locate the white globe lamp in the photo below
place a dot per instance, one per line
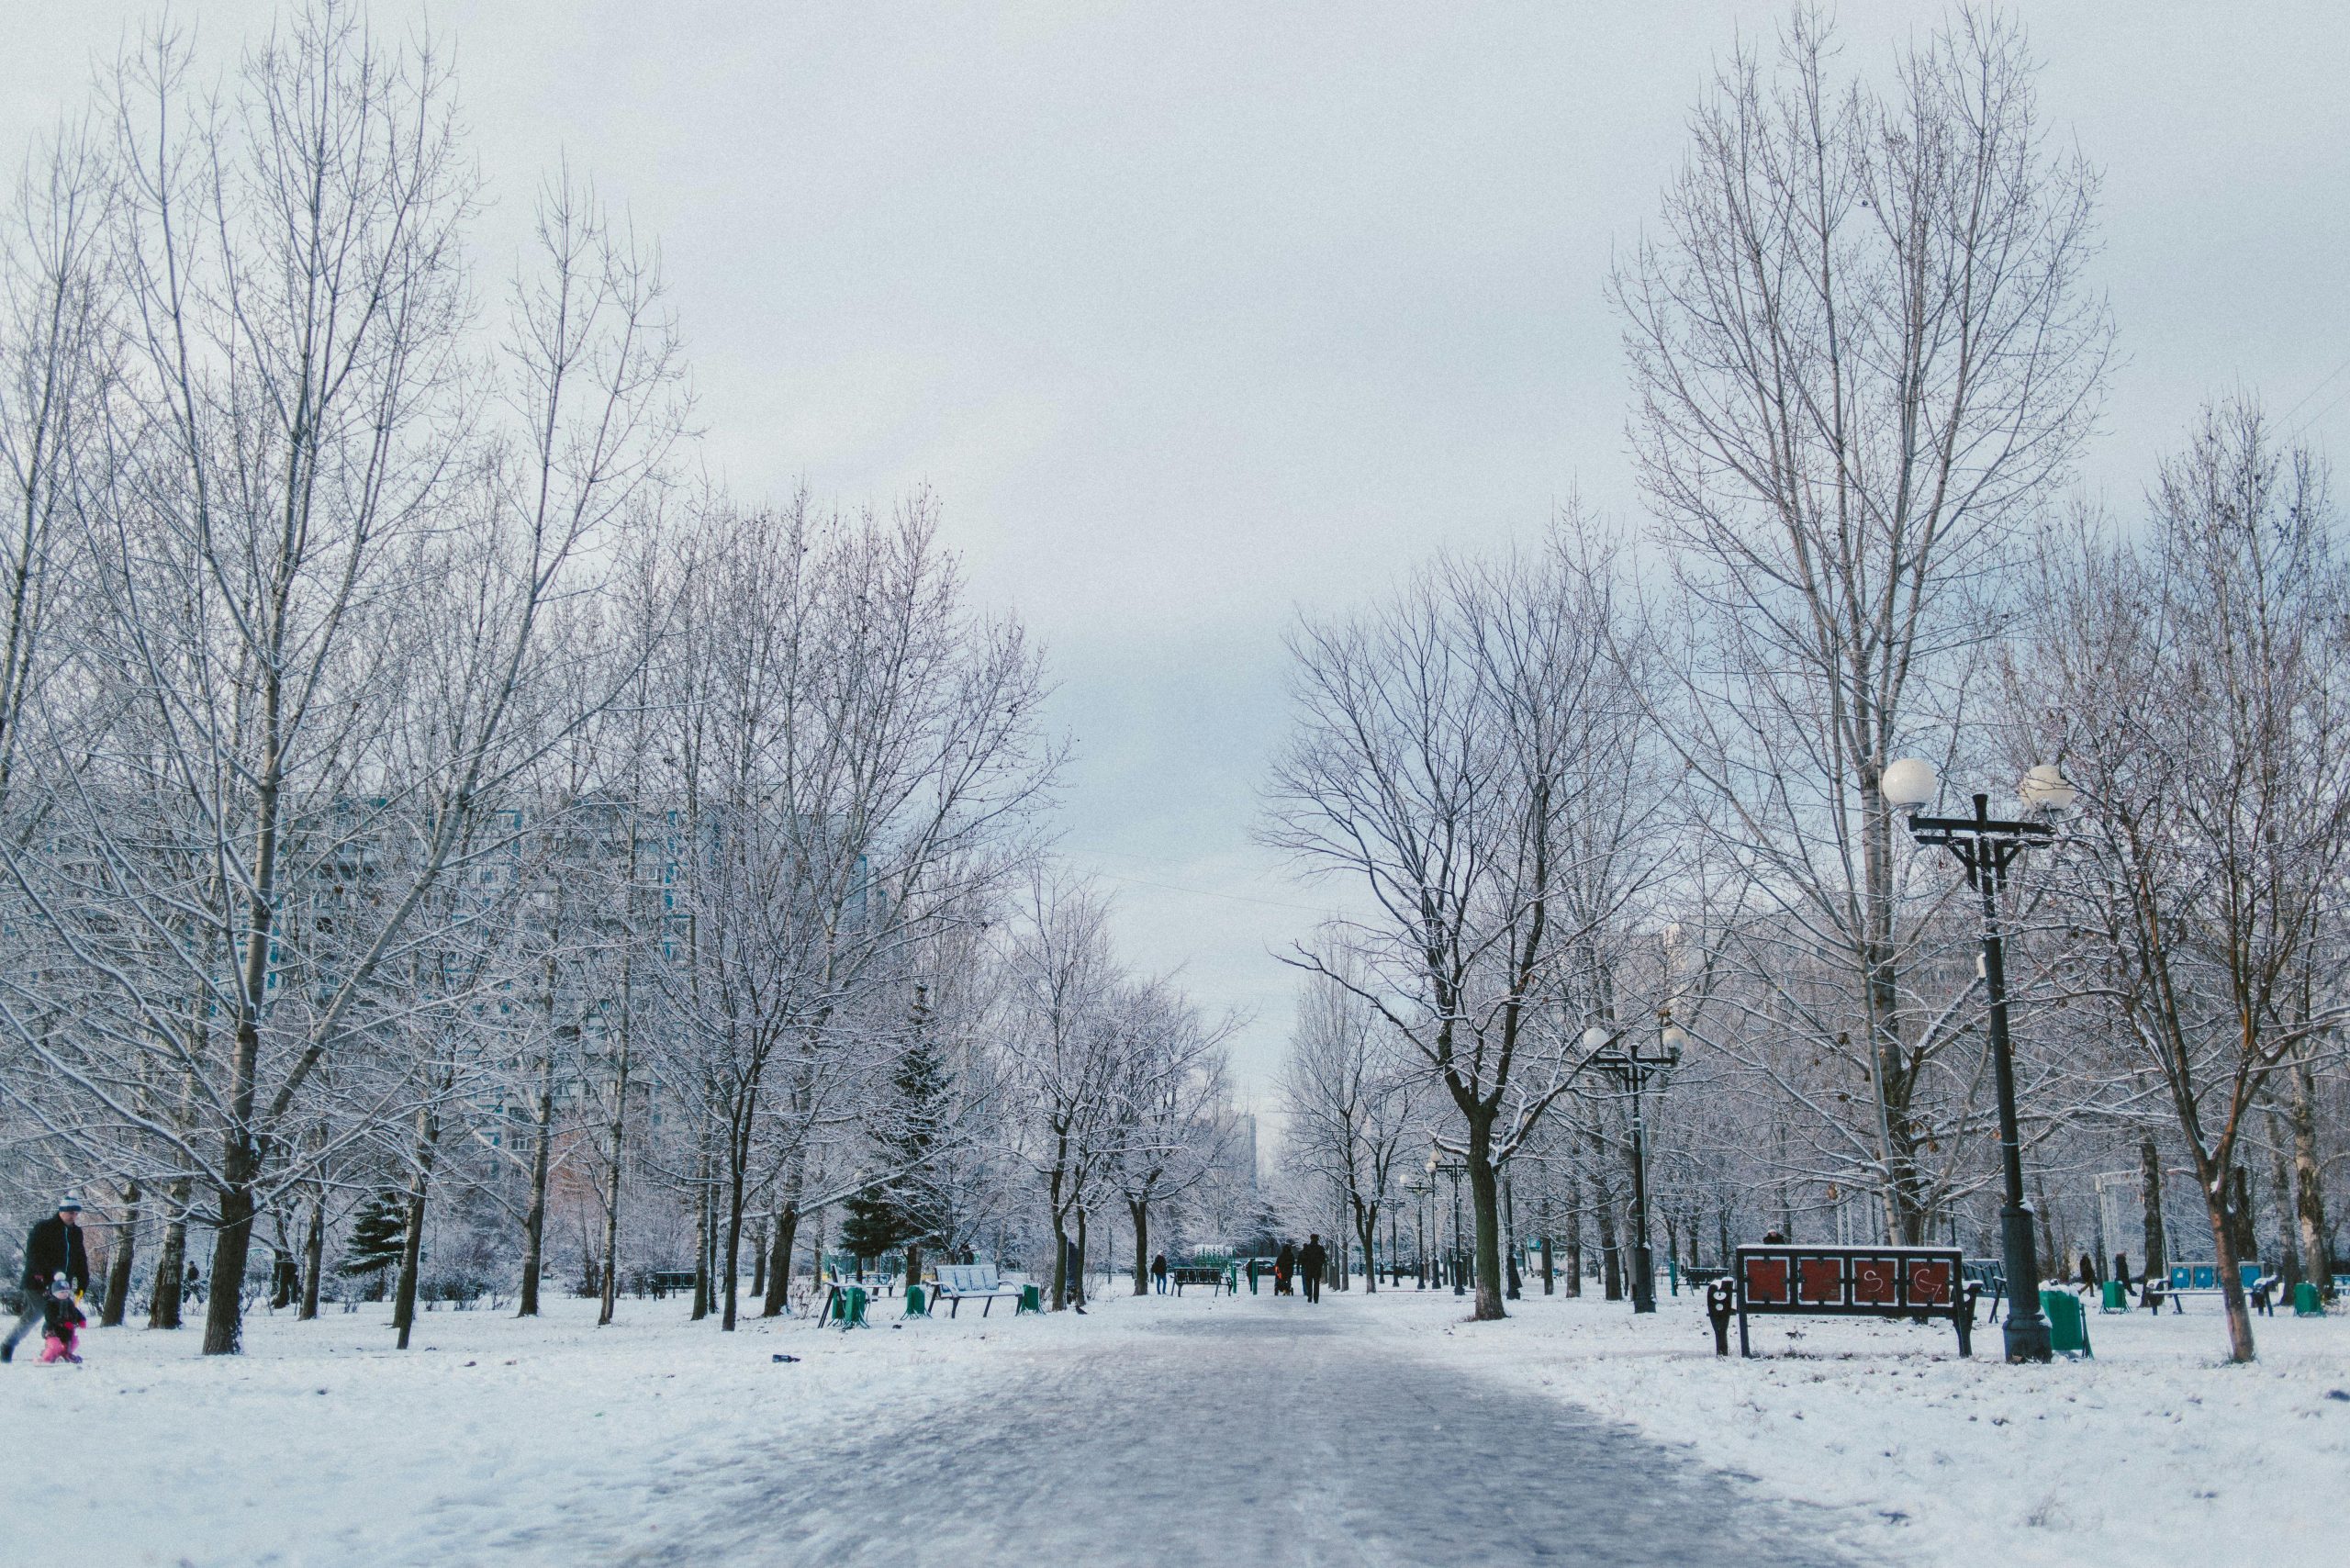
(1907, 782)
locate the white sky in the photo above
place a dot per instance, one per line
(1196, 314)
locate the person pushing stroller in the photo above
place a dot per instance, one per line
(53, 1255)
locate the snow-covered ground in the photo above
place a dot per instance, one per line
(505, 1441)
(2152, 1450)
(323, 1445)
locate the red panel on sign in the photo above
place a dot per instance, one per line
(1929, 1284)
(1766, 1279)
(1822, 1279)
(1876, 1281)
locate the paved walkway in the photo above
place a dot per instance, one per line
(1267, 1437)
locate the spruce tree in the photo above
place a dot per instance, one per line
(905, 1208)
(377, 1236)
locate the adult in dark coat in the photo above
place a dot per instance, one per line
(1159, 1273)
(1311, 1261)
(1284, 1270)
(52, 1251)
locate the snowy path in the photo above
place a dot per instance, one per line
(1267, 1433)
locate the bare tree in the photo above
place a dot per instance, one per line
(1471, 756)
(2196, 683)
(1351, 1095)
(1864, 356)
(1069, 1047)
(325, 613)
(857, 744)
(1171, 1133)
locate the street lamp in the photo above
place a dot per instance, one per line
(1987, 847)
(1440, 1166)
(1633, 1069)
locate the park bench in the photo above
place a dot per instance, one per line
(1696, 1276)
(2203, 1278)
(1842, 1282)
(957, 1282)
(1198, 1275)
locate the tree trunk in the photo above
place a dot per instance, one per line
(1889, 1073)
(2309, 1188)
(2150, 1182)
(1367, 1231)
(534, 1219)
(1486, 1201)
(285, 1280)
(779, 1239)
(1611, 1266)
(2282, 1174)
(2051, 1254)
(2223, 1241)
(241, 1153)
(1077, 1285)
(1141, 1211)
(314, 1253)
(2246, 1239)
(704, 1214)
(171, 1261)
(1509, 1235)
(427, 1137)
(1550, 1273)
(1574, 1233)
(618, 1128)
(759, 1259)
(738, 1155)
(232, 1243)
(126, 1241)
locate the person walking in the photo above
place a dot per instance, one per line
(1159, 1273)
(1311, 1261)
(1285, 1270)
(52, 1251)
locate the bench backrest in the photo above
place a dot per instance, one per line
(2205, 1276)
(1774, 1277)
(966, 1277)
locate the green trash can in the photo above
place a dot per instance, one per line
(2116, 1297)
(2069, 1325)
(1032, 1299)
(917, 1302)
(849, 1307)
(2307, 1303)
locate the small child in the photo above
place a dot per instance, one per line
(59, 1318)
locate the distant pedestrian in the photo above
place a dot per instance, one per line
(2121, 1275)
(60, 1321)
(1159, 1273)
(1310, 1263)
(52, 1252)
(193, 1289)
(1252, 1275)
(1774, 1238)
(2089, 1281)
(1284, 1270)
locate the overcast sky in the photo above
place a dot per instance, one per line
(1195, 314)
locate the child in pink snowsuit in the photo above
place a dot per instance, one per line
(60, 1319)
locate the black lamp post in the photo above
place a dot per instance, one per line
(1633, 1068)
(1987, 847)
(1440, 1166)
